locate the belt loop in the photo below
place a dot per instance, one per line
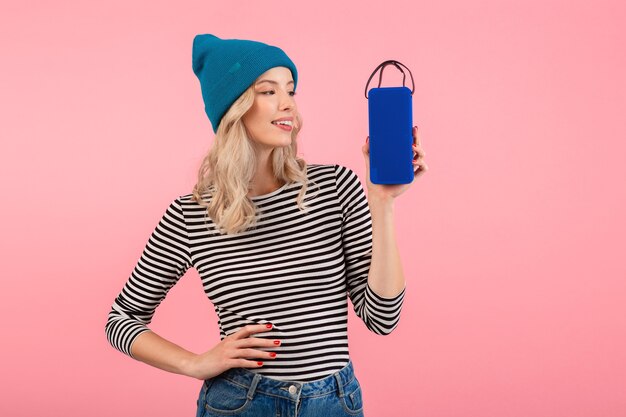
(339, 384)
(255, 381)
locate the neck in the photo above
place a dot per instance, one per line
(264, 181)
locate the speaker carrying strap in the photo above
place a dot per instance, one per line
(382, 68)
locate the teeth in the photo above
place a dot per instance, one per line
(283, 122)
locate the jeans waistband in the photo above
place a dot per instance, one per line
(290, 389)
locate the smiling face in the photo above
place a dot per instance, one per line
(273, 99)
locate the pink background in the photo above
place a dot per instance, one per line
(512, 243)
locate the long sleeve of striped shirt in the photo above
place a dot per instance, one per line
(164, 260)
(380, 314)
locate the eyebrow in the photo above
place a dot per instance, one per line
(273, 82)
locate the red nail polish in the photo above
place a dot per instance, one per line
(367, 139)
(259, 363)
(268, 325)
(277, 342)
(273, 355)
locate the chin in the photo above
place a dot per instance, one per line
(283, 143)
(277, 143)
(284, 140)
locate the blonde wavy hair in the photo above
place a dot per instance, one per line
(229, 167)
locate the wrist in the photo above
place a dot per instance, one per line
(188, 365)
(382, 202)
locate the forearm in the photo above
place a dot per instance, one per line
(154, 350)
(385, 275)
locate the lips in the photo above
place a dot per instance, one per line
(282, 119)
(283, 127)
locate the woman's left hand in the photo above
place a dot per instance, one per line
(391, 191)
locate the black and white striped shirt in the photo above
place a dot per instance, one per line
(294, 270)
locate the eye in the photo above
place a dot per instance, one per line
(293, 93)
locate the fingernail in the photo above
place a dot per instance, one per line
(367, 139)
(277, 342)
(259, 363)
(268, 325)
(273, 355)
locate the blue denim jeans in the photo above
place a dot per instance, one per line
(240, 392)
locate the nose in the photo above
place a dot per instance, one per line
(287, 101)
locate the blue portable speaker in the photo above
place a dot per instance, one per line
(390, 130)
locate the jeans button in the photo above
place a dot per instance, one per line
(292, 389)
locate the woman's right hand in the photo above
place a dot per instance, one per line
(234, 351)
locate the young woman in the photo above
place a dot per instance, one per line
(279, 245)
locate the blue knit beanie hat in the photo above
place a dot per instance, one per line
(227, 67)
